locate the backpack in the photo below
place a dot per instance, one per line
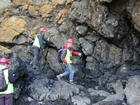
(3, 84)
(59, 55)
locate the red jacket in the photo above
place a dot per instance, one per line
(65, 52)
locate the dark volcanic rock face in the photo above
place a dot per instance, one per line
(106, 32)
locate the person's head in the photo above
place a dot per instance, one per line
(42, 30)
(4, 62)
(70, 42)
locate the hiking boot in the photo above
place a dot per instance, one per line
(58, 77)
(72, 83)
(35, 67)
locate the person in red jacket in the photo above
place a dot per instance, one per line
(66, 58)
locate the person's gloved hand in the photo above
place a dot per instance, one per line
(79, 54)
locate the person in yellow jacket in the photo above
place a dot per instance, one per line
(38, 47)
(6, 96)
(66, 58)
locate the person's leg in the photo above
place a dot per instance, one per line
(39, 55)
(71, 75)
(1, 99)
(36, 55)
(65, 73)
(31, 63)
(9, 99)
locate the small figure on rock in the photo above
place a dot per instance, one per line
(38, 47)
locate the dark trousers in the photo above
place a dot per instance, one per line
(6, 99)
(37, 55)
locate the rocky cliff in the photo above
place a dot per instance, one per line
(106, 32)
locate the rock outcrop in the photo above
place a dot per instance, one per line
(106, 32)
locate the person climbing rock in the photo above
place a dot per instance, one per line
(66, 58)
(38, 47)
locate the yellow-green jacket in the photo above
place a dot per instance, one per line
(10, 87)
(67, 54)
(39, 41)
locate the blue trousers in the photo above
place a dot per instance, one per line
(69, 71)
